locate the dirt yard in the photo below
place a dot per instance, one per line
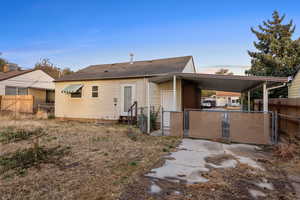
(49, 159)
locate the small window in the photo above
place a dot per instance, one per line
(94, 91)
(10, 90)
(22, 91)
(15, 91)
(76, 94)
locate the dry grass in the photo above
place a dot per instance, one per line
(286, 151)
(101, 162)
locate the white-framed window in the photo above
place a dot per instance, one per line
(77, 94)
(95, 91)
(9, 90)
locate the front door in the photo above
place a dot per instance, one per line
(127, 98)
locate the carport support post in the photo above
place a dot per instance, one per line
(174, 93)
(148, 108)
(242, 101)
(265, 97)
(249, 105)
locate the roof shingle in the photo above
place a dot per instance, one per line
(11, 74)
(128, 70)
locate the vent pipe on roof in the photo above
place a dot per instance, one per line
(131, 58)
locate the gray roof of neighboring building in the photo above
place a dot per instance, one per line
(128, 70)
(11, 74)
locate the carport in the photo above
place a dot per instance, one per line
(230, 83)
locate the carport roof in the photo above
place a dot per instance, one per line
(230, 83)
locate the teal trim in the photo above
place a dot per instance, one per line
(72, 88)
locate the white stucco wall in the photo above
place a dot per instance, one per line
(34, 79)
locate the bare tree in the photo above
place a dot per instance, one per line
(51, 69)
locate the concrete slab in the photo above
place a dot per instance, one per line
(187, 163)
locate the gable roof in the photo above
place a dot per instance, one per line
(127, 70)
(11, 74)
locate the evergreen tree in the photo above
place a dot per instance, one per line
(277, 53)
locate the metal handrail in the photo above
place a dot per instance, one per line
(130, 110)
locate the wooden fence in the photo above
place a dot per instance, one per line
(288, 114)
(17, 103)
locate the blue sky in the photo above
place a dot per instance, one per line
(75, 33)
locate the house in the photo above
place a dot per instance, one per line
(168, 86)
(294, 86)
(28, 82)
(227, 98)
(107, 91)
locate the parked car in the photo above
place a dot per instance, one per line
(208, 104)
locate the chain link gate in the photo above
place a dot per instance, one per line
(225, 126)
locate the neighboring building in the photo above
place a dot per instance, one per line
(294, 87)
(227, 99)
(107, 91)
(28, 82)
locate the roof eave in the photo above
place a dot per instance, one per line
(108, 78)
(25, 72)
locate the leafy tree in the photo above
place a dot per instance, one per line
(2, 63)
(51, 69)
(223, 71)
(277, 53)
(67, 71)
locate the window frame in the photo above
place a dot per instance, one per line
(17, 90)
(95, 91)
(77, 95)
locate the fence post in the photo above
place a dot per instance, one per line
(142, 123)
(276, 126)
(162, 121)
(186, 122)
(273, 127)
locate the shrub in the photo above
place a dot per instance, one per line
(285, 151)
(132, 134)
(133, 163)
(51, 116)
(13, 134)
(21, 160)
